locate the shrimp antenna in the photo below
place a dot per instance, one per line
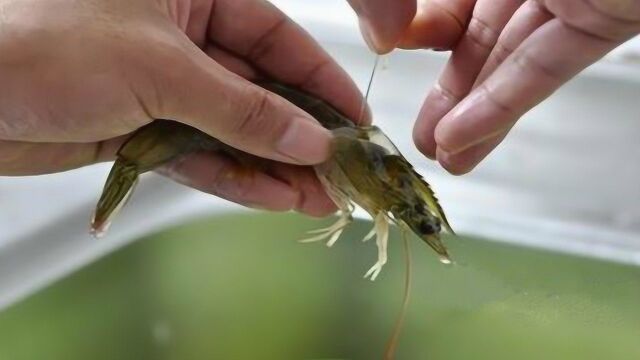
(392, 344)
(366, 95)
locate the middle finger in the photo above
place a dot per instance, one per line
(468, 57)
(524, 22)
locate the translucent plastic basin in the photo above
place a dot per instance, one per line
(241, 287)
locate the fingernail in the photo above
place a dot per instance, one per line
(465, 105)
(305, 142)
(452, 133)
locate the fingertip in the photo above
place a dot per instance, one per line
(454, 163)
(424, 141)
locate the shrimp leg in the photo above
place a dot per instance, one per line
(334, 231)
(381, 227)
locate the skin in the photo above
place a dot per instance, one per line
(78, 76)
(507, 56)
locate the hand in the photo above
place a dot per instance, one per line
(507, 56)
(79, 75)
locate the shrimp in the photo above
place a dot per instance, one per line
(365, 169)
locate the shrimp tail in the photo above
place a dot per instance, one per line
(117, 190)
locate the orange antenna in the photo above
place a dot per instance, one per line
(392, 345)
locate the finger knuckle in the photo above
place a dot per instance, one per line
(153, 85)
(501, 52)
(481, 33)
(265, 44)
(499, 104)
(443, 90)
(314, 77)
(528, 64)
(258, 116)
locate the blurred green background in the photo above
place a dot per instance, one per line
(241, 287)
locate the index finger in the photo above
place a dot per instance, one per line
(260, 33)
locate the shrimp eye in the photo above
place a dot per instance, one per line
(428, 228)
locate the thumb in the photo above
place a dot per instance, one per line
(203, 94)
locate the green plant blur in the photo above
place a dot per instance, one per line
(240, 287)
